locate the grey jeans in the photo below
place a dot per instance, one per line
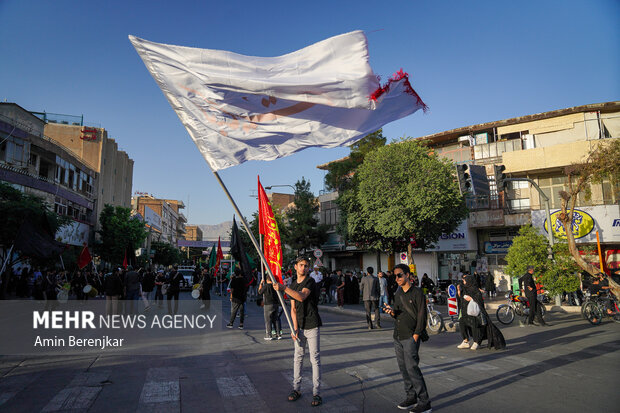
(310, 337)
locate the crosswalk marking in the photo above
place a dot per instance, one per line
(80, 393)
(11, 385)
(161, 390)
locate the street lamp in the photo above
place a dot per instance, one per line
(274, 186)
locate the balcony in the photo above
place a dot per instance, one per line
(496, 149)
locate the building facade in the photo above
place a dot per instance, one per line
(172, 219)
(538, 147)
(193, 233)
(101, 153)
(41, 166)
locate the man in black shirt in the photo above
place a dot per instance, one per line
(409, 312)
(238, 295)
(527, 284)
(174, 287)
(306, 323)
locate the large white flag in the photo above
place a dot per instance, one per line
(238, 108)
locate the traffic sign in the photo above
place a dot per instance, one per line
(318, 253)
(452, 307)
(451, 291)
(403, 258)
(318, 263)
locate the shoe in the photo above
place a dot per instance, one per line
(370, 327)
(408, 403)
(464, 344)
(279, 337)
(229, 325)
(268, 338)
(474, 346)
(379, 327)
(240, 327)
(422, 408)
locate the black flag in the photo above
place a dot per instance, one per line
(238, 252)
(35, 239)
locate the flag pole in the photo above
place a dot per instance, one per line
(260, 252)
(8, 257)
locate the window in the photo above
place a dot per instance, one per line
(611, 194)
(519, 204)
(552, 187)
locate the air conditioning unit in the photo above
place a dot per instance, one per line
(466, 139)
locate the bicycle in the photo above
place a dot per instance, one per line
(434, 318)
(594, 309)
(517, 306)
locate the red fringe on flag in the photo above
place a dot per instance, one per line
(395, 78)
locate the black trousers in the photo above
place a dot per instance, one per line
(408, 360)
(233, 312)
(535, 310)
(174, 294)
(370, 306)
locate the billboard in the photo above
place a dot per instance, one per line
(152, 219)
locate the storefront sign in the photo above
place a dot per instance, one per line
(497, 247)
(463, 239)
(152, 219)
(586, 221)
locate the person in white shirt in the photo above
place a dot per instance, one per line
(316, 275)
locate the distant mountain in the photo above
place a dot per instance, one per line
(212, 232)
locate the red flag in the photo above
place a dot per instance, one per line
(220, 255)
(125, 260)
(84, 258)
(268, 227)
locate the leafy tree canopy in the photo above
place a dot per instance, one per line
(400, 190)
(165, 254)
(304, 231)
(118, 232)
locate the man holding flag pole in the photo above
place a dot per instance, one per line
(238, 108)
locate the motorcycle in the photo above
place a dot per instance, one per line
(517, 305)
(434, 318)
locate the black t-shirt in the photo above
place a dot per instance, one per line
(307, 310)
(237, 285)
(412, 320)
(174, 279)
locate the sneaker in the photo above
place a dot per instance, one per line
(268, 338)
(422, 408)
(240, 327)
(474, 346)
(229, 325)
(279, 337)
(464, 344)
(408, 403)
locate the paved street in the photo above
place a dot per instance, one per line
(568, 367)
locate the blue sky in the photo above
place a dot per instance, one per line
(471, 62)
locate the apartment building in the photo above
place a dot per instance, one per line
(172, 219)
(93, 146)
(41, 166)
(538, 147)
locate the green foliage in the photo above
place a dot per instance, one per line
(165, 254)
(304, 231)
(253, 223)
(401, 190)
(528, 248)
(118, 232)
(340, 172)
(17, 207)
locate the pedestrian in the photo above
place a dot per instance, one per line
(270, 309)
(333, 285)
(370, 295)
(306, 328)
(205, 290)
(148, 284)
(317, 276)
(174, 287)
(132, 288)
(409, 312)
(383, 290)
(113, 287)
(392, 286)
(489, 285)
(471, 323)
(160, 280)
(50, 286)
(238, 295)
(427, 285)
(527, 284)
(340, 289)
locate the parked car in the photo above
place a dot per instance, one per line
(187, 271)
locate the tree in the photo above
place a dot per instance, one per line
(165, 254)
(119, 232)
(303, 225)
(529, 247)
(253, 223)
(600, 163)
(403, 190)
(15, 208)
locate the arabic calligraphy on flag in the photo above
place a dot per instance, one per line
(268, 227)
(238, 108)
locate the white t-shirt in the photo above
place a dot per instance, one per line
(317, 276)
